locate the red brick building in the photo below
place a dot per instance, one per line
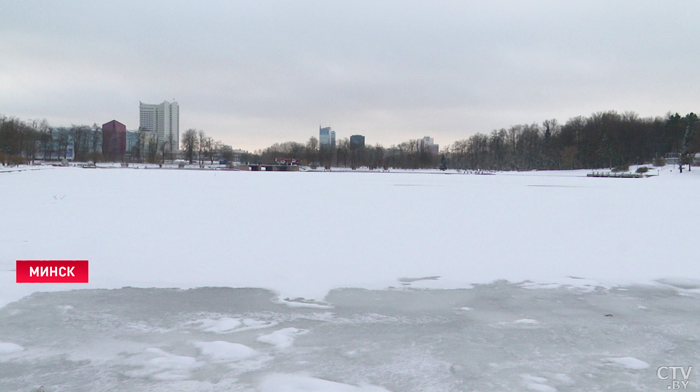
(113, 140)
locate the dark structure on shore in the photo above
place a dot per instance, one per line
(113, 140)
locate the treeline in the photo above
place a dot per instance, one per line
(20, 141)
(25, 141)
(196, 145)
(605, 139)
(409, 155)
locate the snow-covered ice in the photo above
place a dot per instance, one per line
(628, 363)
(225, 351)
(303, 383)
(222, 325)
(233, 281)
(284, 338)
(535, 383)
(526, 321)
(9, 348)
(163, 366)
(408, 340)
(228, 325)
(304, 234)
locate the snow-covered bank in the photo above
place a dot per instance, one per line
(303, 234)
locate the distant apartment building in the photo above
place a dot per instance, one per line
(162, 120)
(133, 143)
(59, 146)
(357, 141)
(70, 143)
(113, 140)
(428, 143)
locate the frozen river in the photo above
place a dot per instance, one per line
(494, 337)
(412, 281)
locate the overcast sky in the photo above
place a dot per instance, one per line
(251, 73)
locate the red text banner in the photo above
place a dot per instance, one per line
(52, 271)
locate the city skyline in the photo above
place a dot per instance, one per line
(252, 74)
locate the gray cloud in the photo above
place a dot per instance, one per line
(253, 73)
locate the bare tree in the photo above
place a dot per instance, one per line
(202, 146)
(152, 148)
(311, 150)
(63, 140)
(170, 145)
(80, 134)
(190, 143)
(690, 120)
(96, 138)
(227, 153)
(215, 149)
(46, 141)
(209, 148)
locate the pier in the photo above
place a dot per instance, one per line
(615, 175)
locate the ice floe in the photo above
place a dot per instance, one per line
(627, 362)
(304, 383)
(10, 348)
(283, 338)
(225, 351)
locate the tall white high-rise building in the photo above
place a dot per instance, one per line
(164, 120)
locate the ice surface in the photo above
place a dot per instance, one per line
(400, 340)
(232, 281)
(228, 325)
(222, 325)
(526, 321)
(283, 338)
(186, 229)
(163, 366)
(628, 363)
(301, 383)
(539, 384)
(683, 283)
(9, 348)
(225, 351)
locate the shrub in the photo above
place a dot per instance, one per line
(95, 157)
(621, 168)
(18, 160)
(659, 161)
(3, 158)
(642, 169)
